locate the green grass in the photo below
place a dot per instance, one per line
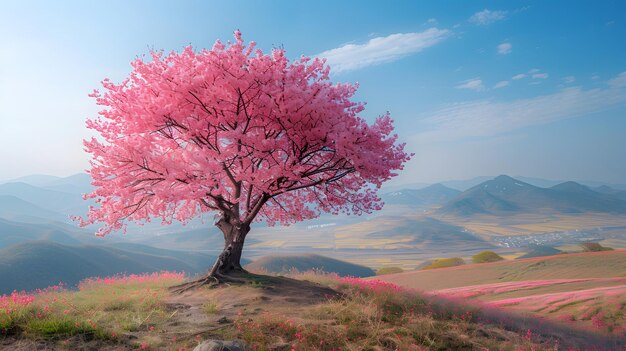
(58, 326)
(210, 307)
(486, 256)
(98, 310)
(445, 263)
(389, 270)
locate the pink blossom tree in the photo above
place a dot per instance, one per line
(249, 135)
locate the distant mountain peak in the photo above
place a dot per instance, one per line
(505, 179)
(571, 186)
(438, 186)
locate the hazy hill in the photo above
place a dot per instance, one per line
(423, 233)
(207, 236)
(199, 260)
(506, 195)
(18, 232)
(433, 195)
(605, 189)
(79, 183)
(428, 233)
(57, 201)
(302, 263)
(39, 264)
(34, 179)
(15, 209)
(541, 251)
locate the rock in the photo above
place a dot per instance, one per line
(224, 320)
(219, 345)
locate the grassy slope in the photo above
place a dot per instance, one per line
(306, 262)
(38, 264)
(571, 266)
(268, 314)
(586, 290)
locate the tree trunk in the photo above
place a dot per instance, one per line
(229, 260)
(228, 263)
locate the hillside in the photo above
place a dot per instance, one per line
(307, 262)
(605, 189)
(39, 264)
(433, 195)
(79, 183)
(606, 264)
(18, 232)
(504, 195)
(424, 233)
(270, 313)
(52, 200)
(15, 209)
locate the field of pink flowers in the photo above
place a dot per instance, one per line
(597, 304)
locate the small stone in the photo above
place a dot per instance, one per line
(220, 345)
(223, 320)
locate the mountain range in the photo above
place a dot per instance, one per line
(38, 240)
(506, 195)
(429, 196)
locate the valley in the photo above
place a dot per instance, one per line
(415, 226)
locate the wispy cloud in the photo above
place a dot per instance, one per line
(569, 79)
(475, 84)
(382, 49)
(431, 22)
(490, 118)
(519, 76)
(501, 84)
(540, 76)
(485, 17)
(619, 81)
(505, 48)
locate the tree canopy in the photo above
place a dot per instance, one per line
(238, 131)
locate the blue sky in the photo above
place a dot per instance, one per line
(476, 88)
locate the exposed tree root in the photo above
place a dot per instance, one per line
(210, 281)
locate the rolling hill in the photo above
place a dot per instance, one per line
(12, 233)
(306, 262)
(433, 195)
(79, 183)
(605, 189)
(505, 195)
(424, 233)
(607, 264)
(15, 209)
(39, 264)
(52, 200)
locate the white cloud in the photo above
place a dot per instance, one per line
(490, 118)
(501, 84)
(540, 76)
(619, 81)
(381, 49)
(431, 22)
(475, 84)
(569, 79)
(519, 76)
(485, 17)
(505, 48)
(534, 70)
